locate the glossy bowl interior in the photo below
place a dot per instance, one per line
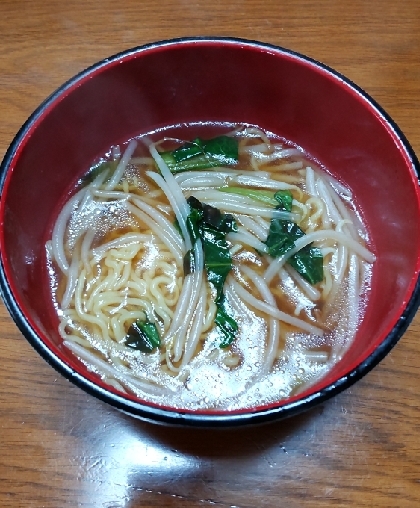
(193, 80)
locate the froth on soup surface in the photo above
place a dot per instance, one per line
(220, 272)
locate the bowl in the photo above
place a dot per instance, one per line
(218, 80)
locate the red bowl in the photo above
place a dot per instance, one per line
(229, 80)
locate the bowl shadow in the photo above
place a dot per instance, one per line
(245, 441)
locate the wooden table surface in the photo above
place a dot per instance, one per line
(60, 447)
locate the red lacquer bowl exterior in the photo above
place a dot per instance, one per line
(222, 80)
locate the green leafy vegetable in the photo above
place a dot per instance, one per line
(281, 238)
(193, 220)
(188, 150)
(224, 148)
(189, 262)
(226, 324)
(212, 227)
(217, 258)
(143, 336)
(284, 199)
(201, 154)
(309, 262)
(223, 222)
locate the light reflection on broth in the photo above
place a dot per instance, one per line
(116, 258)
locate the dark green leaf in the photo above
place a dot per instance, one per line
(220, 221)
(201, 154)
(143, 336)
(223, 148)
(226, 324)
(212, 227)
(193, 221)
(189, 263)
(229, 224)
(309, 262)
(284, 199)
(212, 216)
(281, 237)
(217, 258)
(188, 150)
(195, 203)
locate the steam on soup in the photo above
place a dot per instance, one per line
(223, 272)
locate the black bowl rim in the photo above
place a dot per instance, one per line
(154, 413)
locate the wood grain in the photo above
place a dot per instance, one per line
(60, 447)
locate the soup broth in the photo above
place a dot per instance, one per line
(222, 272)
